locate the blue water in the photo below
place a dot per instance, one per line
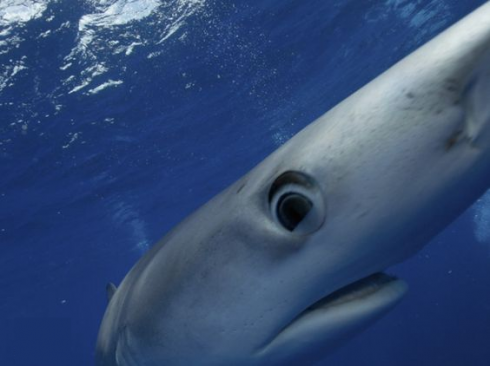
(119, 118)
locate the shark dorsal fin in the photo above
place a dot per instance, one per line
(111, 290)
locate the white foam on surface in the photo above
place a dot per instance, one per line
(113, 28)
(131, 47)
(119, 13)
(78, 87)
(14, 15)
(105, 86)
(20, 11)
(10, 71)
(73, 137)
(5, 32)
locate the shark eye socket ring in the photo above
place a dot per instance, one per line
(296, 203)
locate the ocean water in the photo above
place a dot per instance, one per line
(118, 118)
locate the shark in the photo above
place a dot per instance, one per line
(288, 263)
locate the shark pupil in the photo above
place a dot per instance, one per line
(292, 208)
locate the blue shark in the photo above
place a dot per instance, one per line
(288, 262)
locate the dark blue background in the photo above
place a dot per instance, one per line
(89, 181)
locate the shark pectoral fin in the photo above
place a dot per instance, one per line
(334, 321)
(110, 290)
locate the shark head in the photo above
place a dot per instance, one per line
(287, 263)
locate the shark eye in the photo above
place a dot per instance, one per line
(296, 203)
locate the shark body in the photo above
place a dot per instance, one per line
(287, 263)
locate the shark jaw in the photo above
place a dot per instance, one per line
(335, 318)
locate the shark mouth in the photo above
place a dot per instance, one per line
(358, 290)
(339, 315)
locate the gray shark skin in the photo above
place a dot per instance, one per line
(285, 264)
